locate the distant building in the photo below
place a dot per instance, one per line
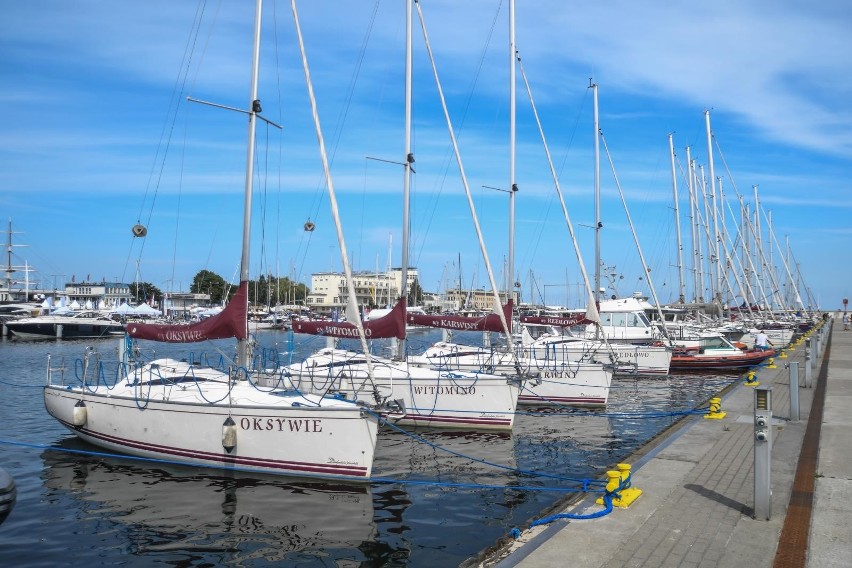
(178, 303)
(97, 295)
(481, 300)
(329, 290)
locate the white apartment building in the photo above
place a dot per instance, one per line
(329, 289)
(475, 300)
(97, 295)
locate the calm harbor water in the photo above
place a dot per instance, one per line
(433, 508)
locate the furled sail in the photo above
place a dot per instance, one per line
(391, 325)
(591, 315)
(558, 321)
(491, 322)
(230, 322)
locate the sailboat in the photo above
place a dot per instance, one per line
(617, 326)
(420, 396)
(548, 380)
(182, 412)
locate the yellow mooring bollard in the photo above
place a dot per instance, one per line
(751, 379)
(715, 412)
(613, 481)
(783, 354)
(771, 363)
(621, 478)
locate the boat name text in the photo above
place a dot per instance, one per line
(444, 390)
(307, 425)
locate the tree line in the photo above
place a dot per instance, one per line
(265, 290)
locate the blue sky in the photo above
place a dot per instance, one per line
(96, 135)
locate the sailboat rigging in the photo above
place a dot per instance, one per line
(427, 397)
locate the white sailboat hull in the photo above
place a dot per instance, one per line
(546, 382)
(628, 358)
(183, 422)
(440, 399)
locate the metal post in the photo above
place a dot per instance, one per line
(809, 366)
(794, 391)
(762, 453)
(818, 353)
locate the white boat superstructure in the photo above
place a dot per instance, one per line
(545, 381)
(424, 396)
(172, 410)
(624, 320)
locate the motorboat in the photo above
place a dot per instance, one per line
(76, 325)
(716, 352)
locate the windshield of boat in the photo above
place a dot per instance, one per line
(625, 319)
(717, 342)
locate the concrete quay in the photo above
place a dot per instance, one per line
(698, 500)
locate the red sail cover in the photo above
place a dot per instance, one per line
(576, 319)
(491, 322)
(230, 322)
(391, 325)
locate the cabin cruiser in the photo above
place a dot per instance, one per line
(713, 352)
(76, 325)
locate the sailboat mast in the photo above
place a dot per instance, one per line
(513, 187)
(390, 269)
(692, 225)
(681, 285)
(9, 270)
(409, 159)
(755, 230)
(746, 250)
(594, 88)
(701, 183)
(254, 108)
(716, 258)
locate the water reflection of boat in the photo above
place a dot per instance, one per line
(8, 494)
(448, 455)
(175, 510)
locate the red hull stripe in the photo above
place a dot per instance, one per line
(562, 399)
(458, 420)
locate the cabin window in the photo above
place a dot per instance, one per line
(714, 343)
(618, 319)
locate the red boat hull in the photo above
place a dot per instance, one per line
(682, 362)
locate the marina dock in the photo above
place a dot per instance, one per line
(697, 507)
